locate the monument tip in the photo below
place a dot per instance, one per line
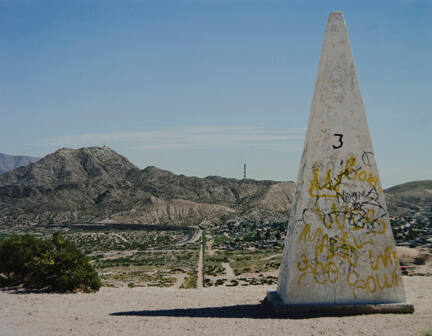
(336, 16)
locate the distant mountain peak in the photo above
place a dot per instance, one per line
(10, 162)
(67, 165)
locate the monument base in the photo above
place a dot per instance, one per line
(277, 306)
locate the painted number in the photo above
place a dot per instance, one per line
(339, 145)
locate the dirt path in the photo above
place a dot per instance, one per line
(180, 279)
(121, 237)
(272, 256)
(229, 271)
(209, 245)
(200, 279)
(114, 254)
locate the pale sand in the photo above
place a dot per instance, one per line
(208, 311)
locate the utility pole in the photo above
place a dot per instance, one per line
(244, 171)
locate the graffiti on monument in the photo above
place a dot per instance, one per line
(349, 220)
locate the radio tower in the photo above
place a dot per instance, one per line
(244, 171)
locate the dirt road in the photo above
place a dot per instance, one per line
(200, 278)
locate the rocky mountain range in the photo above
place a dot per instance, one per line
(96, 184)
(10, 162)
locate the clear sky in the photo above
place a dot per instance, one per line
(199, 87)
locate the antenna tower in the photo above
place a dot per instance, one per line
(244, 171)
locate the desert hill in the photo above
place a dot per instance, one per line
(411, 197)
(96, 184)
(10, 162)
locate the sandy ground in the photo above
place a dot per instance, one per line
(208, 311)
(418, 260)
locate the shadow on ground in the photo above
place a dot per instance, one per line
(257, 311)
(254, 311)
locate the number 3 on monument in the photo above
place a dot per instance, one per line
(340, 144)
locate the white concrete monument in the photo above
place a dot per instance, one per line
(339, 251)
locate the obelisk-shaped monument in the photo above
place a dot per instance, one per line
(339, 250)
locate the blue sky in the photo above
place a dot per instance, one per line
(200, 86)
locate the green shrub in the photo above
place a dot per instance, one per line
(55, 264)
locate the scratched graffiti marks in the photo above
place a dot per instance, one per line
(339, 227)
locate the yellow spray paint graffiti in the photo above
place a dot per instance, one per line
(379, 278)
(322, 273)
(389, 256)
(372, 282)
(326, 248)
(331, 186)
(347, 227)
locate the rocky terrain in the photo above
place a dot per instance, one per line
(96, 184)
(10, 162)
(410, 198)
(410, 208)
